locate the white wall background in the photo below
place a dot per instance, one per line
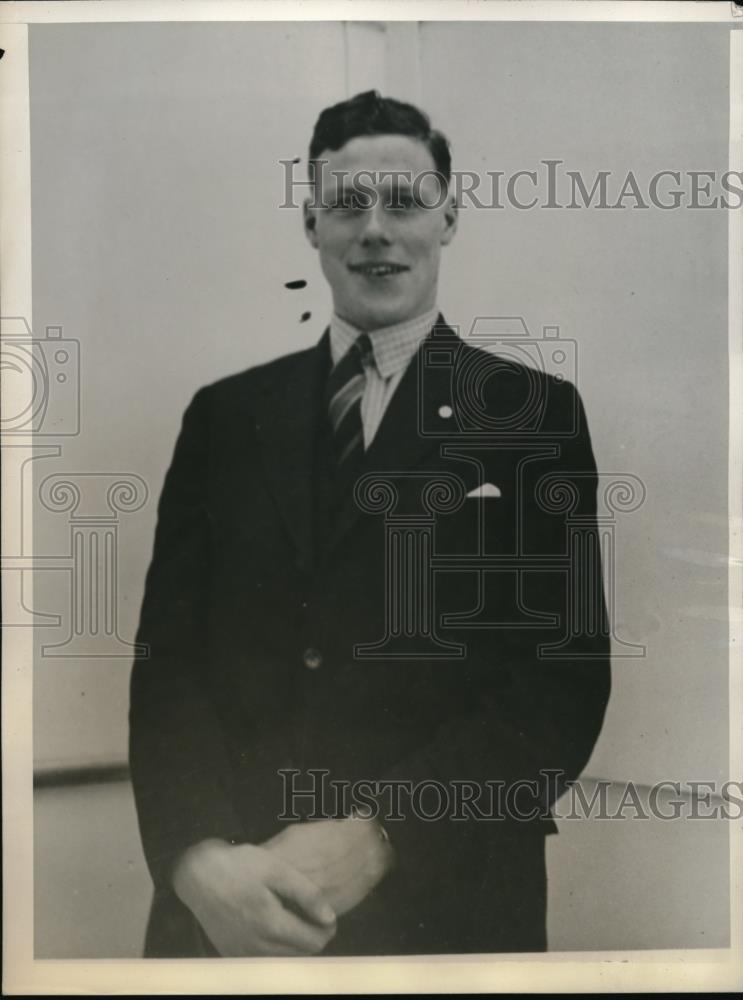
(157, 244)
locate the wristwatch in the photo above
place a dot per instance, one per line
(366, 812)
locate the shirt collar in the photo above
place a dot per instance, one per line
(393, 346)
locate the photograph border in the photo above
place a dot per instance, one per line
(651, 971)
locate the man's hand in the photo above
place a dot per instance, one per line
(345, 858)
(249, 901)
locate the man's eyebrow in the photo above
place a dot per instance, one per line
(344, 190)
(362, 187)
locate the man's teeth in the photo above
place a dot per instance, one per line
(379, 270)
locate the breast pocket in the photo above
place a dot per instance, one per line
(483, 525)
(474, 548)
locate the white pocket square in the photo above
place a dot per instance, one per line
(485, 490)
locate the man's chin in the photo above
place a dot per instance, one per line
(374, 319)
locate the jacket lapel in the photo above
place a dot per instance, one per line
(416, 421)
(287, 412)
(420, 418)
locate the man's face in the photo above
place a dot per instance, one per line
(381, 255)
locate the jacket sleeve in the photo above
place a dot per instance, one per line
(178, 759)
(534, 713)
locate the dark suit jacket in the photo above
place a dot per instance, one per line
(259, 571)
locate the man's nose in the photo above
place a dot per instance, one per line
(375, 227)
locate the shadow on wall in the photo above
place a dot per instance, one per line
(614, 885)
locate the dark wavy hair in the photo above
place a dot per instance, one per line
(371, 114)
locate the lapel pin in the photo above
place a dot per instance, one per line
(446, 411)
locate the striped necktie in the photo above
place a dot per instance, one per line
(345, 388)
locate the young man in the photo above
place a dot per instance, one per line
(358, 576)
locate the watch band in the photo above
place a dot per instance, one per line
(366, 812)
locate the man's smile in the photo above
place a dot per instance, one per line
(379, 269)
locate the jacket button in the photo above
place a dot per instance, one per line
(312, 659)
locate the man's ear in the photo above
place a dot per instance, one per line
(310, 222)
(451, 217)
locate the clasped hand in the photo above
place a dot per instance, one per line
(282, 897)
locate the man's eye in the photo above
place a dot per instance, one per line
(342, 208)
(402, 203)
(350, 204)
